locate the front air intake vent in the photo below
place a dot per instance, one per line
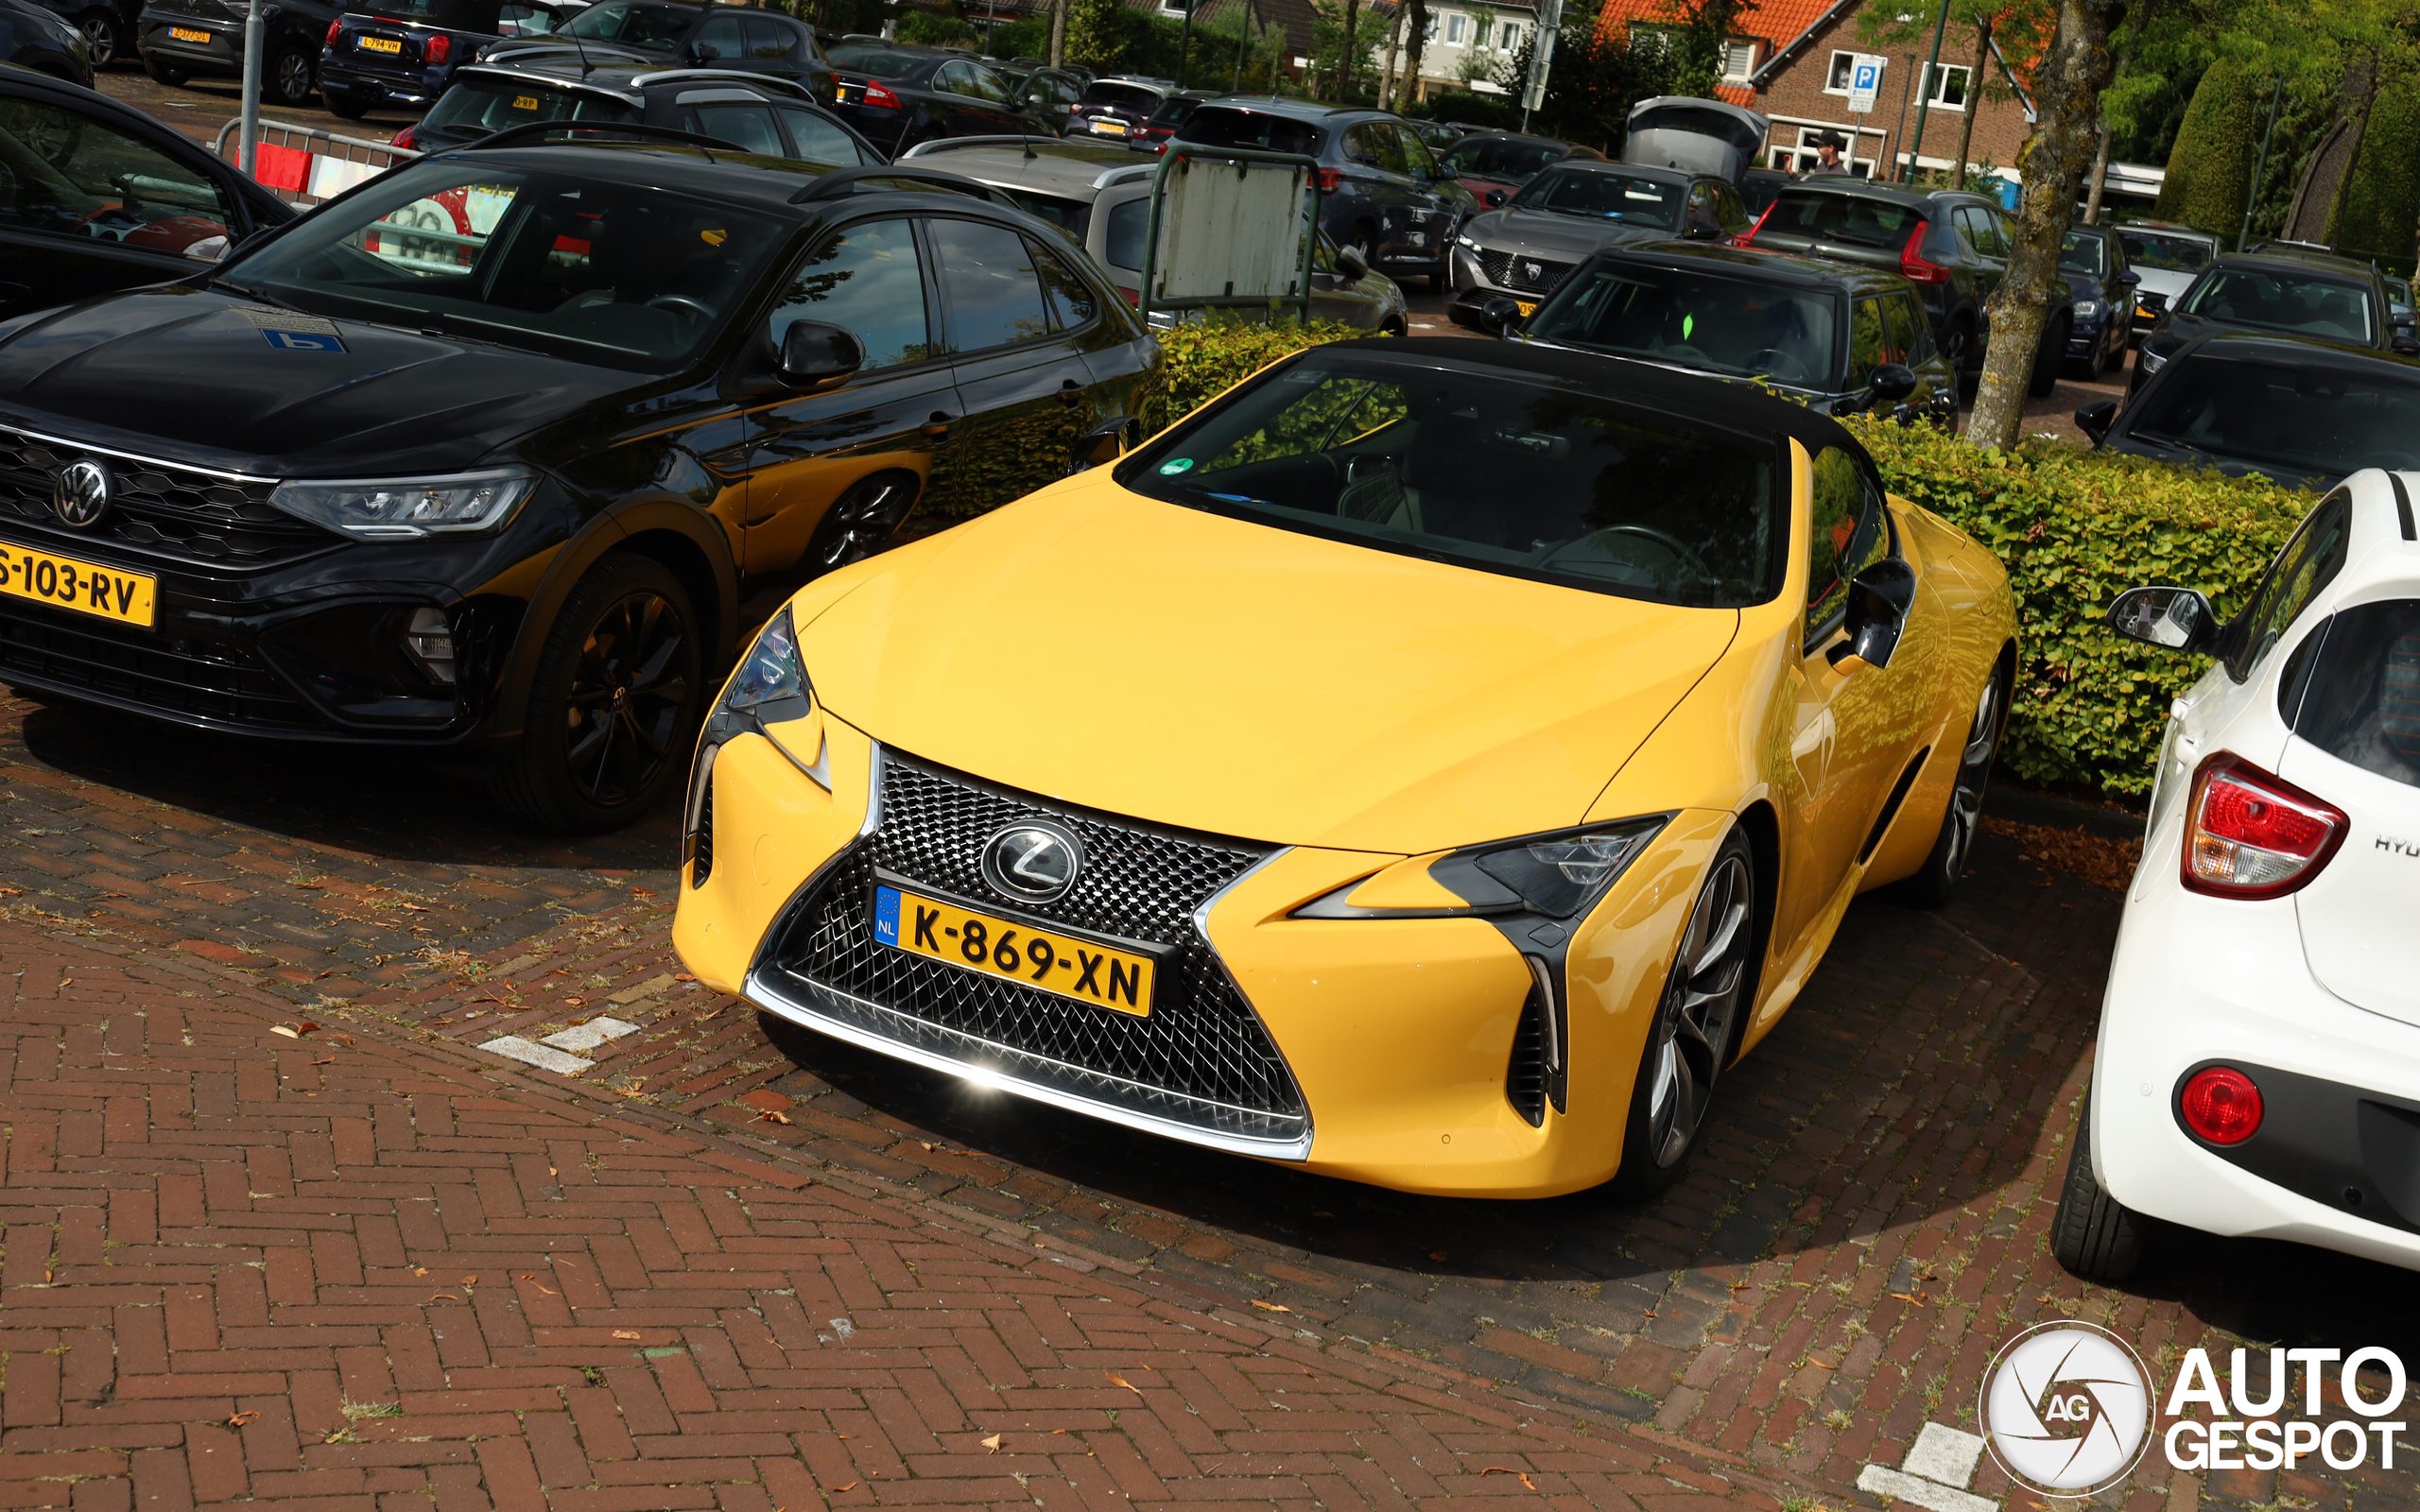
(1525, 1074)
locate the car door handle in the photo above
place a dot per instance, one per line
(1070, 391)
(937, 426)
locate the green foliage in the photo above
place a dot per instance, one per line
(1112, 38)
(2380, 204)
(1207, 358)
(930, 28)
(1702, 29)
(2076, 529)
(1590, 89)
(1328, 58)
(2209, 173)
(1103, 34)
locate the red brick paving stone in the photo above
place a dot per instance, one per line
(445, 1314)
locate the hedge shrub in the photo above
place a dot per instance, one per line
(1207, 357)
(2209, 171)
(2379, 200)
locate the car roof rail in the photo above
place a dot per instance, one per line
(841, 181)
(952, 144)
(684, 75)
(533, 130)
(1126, 173)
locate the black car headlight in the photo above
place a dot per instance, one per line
(770, 688)
(1559, 875)
(465, 503)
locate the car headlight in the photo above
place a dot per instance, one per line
(2088, 309)
(404, 509)
(770, 688)
(1464, 241)
(2151, 361)
(1558, 875)
(769, 676)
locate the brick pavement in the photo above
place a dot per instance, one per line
(1864, 1226)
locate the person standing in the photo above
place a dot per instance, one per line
(1827, 154)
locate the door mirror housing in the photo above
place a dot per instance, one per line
(2129, 278)
(1499, 315)
(817, 351)
(2095, 419)
(2404, 344)
(703, 51)
(2179, 619)
(1496, 198)
(1352, 262)
(1105, 444)
(1701, 231)
(1893, 381)
(1879, 598)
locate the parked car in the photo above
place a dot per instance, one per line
(106, 197)
(1573, 210)
(1509, 850)
(1053, 92)
(1154, 135)
(2298, 410)
(1694, 135)
(1441, 134)
(1097, 194)
(355, 487)
(1760, 187)
(2102, 285)
(1381, 194)
(2170, 257)
(2330, 298)
(759, 113)
(701, 36)
(108, 27)
(899, 96)
(1492, 165)
(406, 54)
(179, 38)
(1117, 106)
(2259, 1064)
(1840, 338)
(1952, 244)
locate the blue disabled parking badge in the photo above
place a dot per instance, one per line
(303, 340)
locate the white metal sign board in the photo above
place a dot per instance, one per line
(1865, 81)
(1230, 231)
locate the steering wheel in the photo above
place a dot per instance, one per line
(1772, 360)
(1664, 538)
(680, 304)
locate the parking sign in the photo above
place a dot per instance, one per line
(1865, 81)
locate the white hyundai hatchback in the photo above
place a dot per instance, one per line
(2258, 1069)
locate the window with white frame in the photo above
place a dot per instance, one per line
(1739, 60)
(1802, 158)
(1843, 73)
(1949, 83)
(1479, 25)
(1508, 37)
(1456, 29)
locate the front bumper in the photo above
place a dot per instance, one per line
(2198, 981)
(1381, 1050)
(404, 86)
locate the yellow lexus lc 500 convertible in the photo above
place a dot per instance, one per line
(1433, 762)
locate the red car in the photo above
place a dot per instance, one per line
(1492, 165)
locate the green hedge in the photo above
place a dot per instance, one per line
(1207, 357)
(2209, 171)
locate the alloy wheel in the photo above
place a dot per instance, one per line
(1974, 775)
(1701, 1004)
(293, 77)
(629, 692)
(858, 522)
(100, 40)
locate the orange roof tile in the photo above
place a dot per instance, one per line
(1774, 23)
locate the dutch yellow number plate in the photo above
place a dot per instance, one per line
(63, 582)
(840, 94)
(1077, 969)
(1107, 126)
(1528, 307)
(525, 102)
(382, 44)
(188, 34)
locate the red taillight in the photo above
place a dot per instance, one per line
(2222, 1105)
(1331, 180)
(403, 138)
(879, 96)
(437, 49)
(1915, 267)
(335, 27)
(1749, 238)
(2251, 834)
(1134, 297)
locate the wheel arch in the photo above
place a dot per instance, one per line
(1762, 827)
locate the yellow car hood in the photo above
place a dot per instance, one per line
(1211, 674)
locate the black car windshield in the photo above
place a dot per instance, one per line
(1715, 321)
(1124, 97)
(461, 15)
(1595, 194)
(2083, 253)
(1852, 220)
(2282, 301)
(2175, 254)
(2318, 419)
(2360, 700)
(1405, 457)
(879, 62)
(1227, 127)
(616, 275)
(636, 22)
(479, 103)
(1502, 158)
(1174, 109)
(1070, 216)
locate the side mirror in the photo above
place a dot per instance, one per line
(1879, 598)
(2129, 278)
(1499, 315)
(2095, 419)
(1701, 231)
(817, 351)
(2176, 618)
(2404, 344)
(1104, 444)
(703, 51)
(1496, 198)
(1893, 381)
(1354, 264)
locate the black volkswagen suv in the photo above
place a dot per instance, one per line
(773, 117)
(511, 496)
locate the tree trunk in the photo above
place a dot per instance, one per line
(2100, 181)
(1973, 97)
(1345, 62)
(2075, 69)
(1058, 32)
(1416, 23)
(1387, 77)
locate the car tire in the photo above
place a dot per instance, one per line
(291, 77)
(162, 71)
(1396, 327)
(2045, 377)
(2093, 1235)
(1697, 1024)
(1364, 240)
(1962, 817)
(1958, 349)
(344, 106)
(614, 703)
(860, 523)
(107, 37)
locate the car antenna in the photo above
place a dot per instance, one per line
(586, 67)
(1027, 142)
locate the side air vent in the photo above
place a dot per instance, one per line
(1525, 1075)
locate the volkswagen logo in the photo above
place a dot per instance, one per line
(2066, 1408)
(1032, 863)
(81, 494)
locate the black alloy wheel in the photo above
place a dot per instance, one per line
(292, 76)
(1963, 816)
(613, 706)
(1697, 1024)
(104, 38)
(861, 522)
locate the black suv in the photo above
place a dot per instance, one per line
(709, 35)
(902, 97)
(406, 53)
(1381, 192)
(511, 497)
(1572, 209)
(1952, 244)
(2288, 291)
(181, 37)
(775, 118)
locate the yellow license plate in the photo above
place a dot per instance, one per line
(1527, 307)
(187, 34)
(1109, 127)
(841, 93)
(1064, 967)
(63, 582)
(380, 44)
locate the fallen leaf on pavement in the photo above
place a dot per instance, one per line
(306, 1026)
(1121, 1381)
(243, 1417)
(642, 892)
(1503, 1470)
(992, 1443)
(637, 1089)
(528, 1275)
(469, 1280)
(1821, 1365)
(420, 1270)
(1917, 1299)
(575, 1003)
(329, 1061)
(774, 1115)
(548, 1290)
(442, 1296)
(850, 1486)
(279, 1028)
(683, 977)
(344, 1039)
(1269, 1307)
(716, 1014)
(625, 1333)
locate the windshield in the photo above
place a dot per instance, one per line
(480, 105)
(2360, 702)
(2082, 253)
(1598, 196)
(1712, 321)
(1221, 126)
(635, 23)
(1174, 109)
(1070, 215)
(2282, 301)
(2177, 254)
(878, 62)
(1504, 159)
(1128, 97)
(1852, 220)
(2304, 419)
(545, 262)
(1402, 456)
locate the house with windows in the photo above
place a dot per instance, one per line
(1794, 62)
(1467, 43)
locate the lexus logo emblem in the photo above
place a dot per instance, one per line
(81, 494)
(1032, 863)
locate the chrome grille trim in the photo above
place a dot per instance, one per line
(133, 457)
